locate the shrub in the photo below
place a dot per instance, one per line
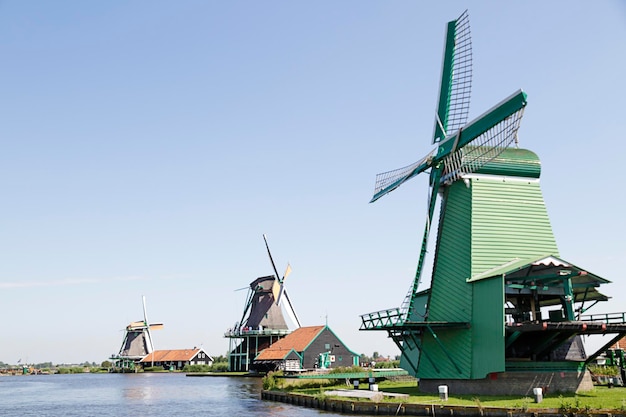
(219, 367)
(346, 370)
(388, 364)
(196, 368)
(604, 370)
(269, 381)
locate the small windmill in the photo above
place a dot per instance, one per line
(262, 321)
(267, 297)
(137, 341)
(496, 262)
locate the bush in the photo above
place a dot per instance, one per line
(269, 381)
(346, 370)
(219, 367)
(604, 370)
(197, 368)
(388, 364)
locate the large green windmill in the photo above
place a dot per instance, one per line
(496, 264)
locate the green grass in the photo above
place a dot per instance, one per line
(601, 398)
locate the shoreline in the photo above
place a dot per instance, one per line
(351, 406)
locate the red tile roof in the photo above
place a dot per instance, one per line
(272, 354)
(171, 355)
(297, 340)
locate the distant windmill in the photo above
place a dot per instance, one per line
(262, 322)
(137, 341)
(266, 296)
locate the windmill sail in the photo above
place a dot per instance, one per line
(279, 291)
(289, 309)
(461, 148)
(456, 79)
(489, 143)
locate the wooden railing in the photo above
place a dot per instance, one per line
(381, 319)
(609, 318)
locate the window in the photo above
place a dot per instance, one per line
(327, 346)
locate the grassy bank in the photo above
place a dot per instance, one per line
(601, 398)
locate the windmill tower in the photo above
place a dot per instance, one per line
(262, 322)
(496, 268)
(137, 342)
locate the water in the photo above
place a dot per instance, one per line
(146, 394)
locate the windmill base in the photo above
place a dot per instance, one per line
(513, 383)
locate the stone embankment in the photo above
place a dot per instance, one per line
(413, 409)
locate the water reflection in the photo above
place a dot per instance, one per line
(140, 395)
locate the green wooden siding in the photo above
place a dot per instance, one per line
(485, 222)
(509, 220)
(451, 296)
(488, 328)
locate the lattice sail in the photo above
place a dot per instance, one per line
(400, 175)
(483, 149)
(461, 85)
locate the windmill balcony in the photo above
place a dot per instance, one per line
(382, 319)
(247, 331)
(609, 318)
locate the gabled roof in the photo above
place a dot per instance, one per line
(298, 340)
(270, 354)
(529, 269)
(544, 273)
(172, 355)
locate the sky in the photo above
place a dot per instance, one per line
(147, 146)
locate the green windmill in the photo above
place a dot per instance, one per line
(502, 304)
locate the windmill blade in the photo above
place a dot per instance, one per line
(388, 181)
(289, 308)
(488, 135)
(148, 335)
(453, 105)
(248, 304)
(149, 344)
(432, 200)
(271, 259)
(456, 79)
(145, 315)
(136, 325)
(277, 288)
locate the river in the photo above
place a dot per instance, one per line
(144, 394)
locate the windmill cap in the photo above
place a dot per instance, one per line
(513, 162)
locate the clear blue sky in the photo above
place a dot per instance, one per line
(148, 145)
